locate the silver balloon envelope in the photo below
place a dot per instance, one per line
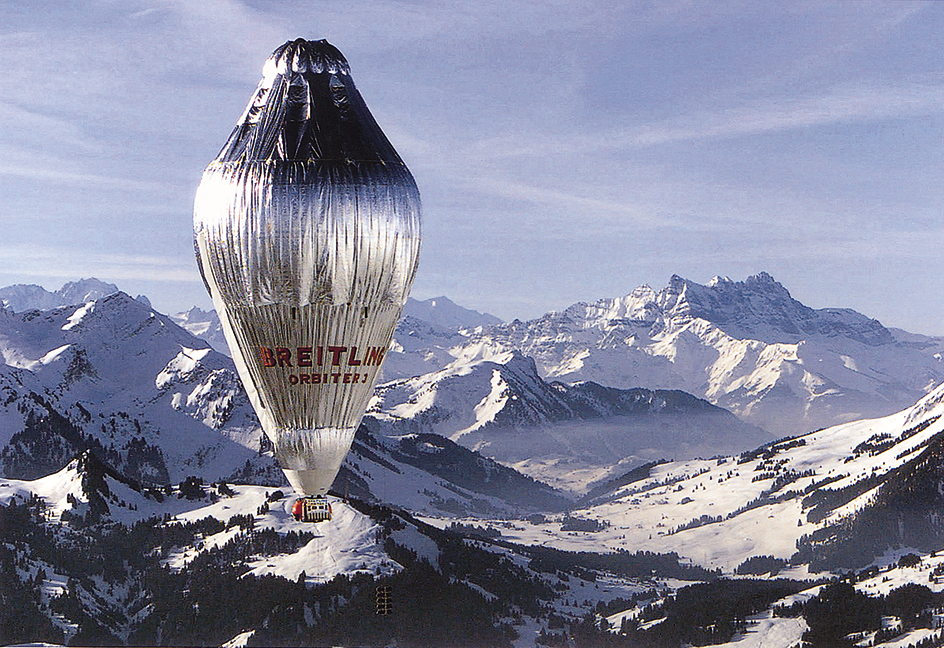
(307, 234)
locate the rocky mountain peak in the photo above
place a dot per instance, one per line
(761, 308)
(24, 297)
(84, 290)
(443, 312)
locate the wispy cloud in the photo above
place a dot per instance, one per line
(68, 263)
(50, 174)
(846, 104)
(596, 213)
(46, 131)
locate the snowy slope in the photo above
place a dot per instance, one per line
(114, 370)
(252, 526)
(720, 512)
(346, 544)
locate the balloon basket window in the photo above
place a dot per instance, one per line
(312, 509)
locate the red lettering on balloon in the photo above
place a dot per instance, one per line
(303, 356)
(337, 355)
(268, 360)
(351, 378)
(284, 356)
(351, 359)
(336, 352)
(375, 356)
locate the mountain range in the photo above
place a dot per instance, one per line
(672, 521)
(747, 347)
(572, 399)
(159, 405)
(24, 297)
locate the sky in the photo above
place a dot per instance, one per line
(565, 151)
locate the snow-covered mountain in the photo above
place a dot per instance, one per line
(427, 473)
(114, 374)
(24, 297)
(159, 405)
(570, 436)
(748, 347)
(204, 325)
(443, 312)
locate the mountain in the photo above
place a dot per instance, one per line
(429, 474)
(115, 375)
(204, 325)
(570, 436)
(443, 312)
(418, 348)
(748, 347)
(24, 297)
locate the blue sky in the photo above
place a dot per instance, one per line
(565, 151)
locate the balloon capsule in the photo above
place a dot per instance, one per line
(311, 509)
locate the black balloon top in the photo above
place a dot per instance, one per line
(306, 109)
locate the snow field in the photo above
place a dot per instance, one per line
(652, 514)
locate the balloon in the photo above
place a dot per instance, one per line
(307, 235)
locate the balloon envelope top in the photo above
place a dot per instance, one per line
(307, 235)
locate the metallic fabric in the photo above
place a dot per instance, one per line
(307, 235)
